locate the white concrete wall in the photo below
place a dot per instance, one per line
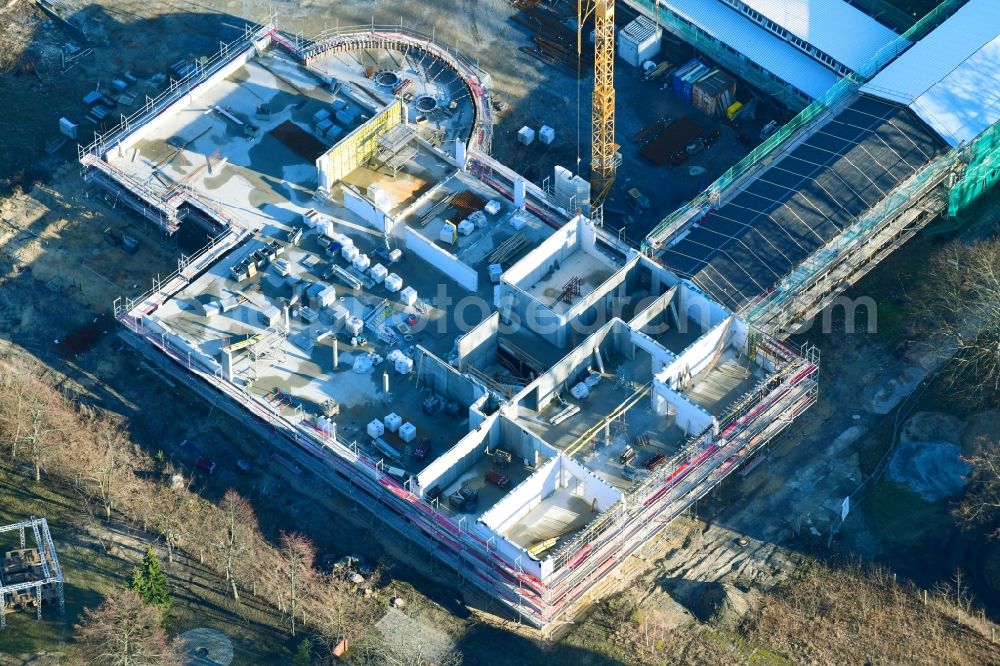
(589, 486)
(652, 310)
(614, 283)
(741, 335)
(522, 443)
(543, 389)
(478, 347)
(510, 552)
(696, 306)
(443, 471)
(446, 380)
(691, 418)
(536, 263)
(524, 497)
(445, 262)
(694, 359)
(165, 336)
(559, 473)
(366, 210)
(660, 357)
(526, 311)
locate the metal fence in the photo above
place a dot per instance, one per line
(814, 266)
(847, 86)
(176, 90)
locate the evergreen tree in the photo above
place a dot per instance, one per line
(303, 654)
(150, 582)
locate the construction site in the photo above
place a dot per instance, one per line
(509, 382)
(30, 577)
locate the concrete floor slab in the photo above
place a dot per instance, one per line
(558, 515)
(716, 389)
(591, 271)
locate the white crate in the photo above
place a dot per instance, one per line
(407, 432)
(404, 365)
(393, 421)
(466, 227)
(375, 429)
(361, 262)
(393, 282)
(378, 273)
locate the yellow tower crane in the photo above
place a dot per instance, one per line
(603, 149)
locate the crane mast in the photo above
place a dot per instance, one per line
(603, 149)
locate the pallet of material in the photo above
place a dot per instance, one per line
(661, 70)
(713, 94)
(650, 130)
(672, 139)
(468, 201)
(550, 60)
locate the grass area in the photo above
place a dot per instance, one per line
(902, 518)
(90, 570)
(21, 500)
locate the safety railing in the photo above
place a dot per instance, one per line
(919, 185)
(690, 212)
(477, 80)
(177, 89)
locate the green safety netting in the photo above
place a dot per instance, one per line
(840, 90)
(981, 173)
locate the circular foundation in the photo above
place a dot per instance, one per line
(425, 104)
(387, 79)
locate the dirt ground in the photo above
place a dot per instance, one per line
(59, 276)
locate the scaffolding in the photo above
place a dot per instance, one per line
(580, 562)
(400, 38)
(29, 576)
(857, 249)
(361, 145)
(845, 89)
(982, 171)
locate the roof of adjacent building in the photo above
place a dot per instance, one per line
(757, 44)
(847, 34)
(951, 78)
(807, 197)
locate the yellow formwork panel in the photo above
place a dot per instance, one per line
(358, 147)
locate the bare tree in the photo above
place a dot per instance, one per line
(112, 467)
(124, 631)
(39, 439)
(980, 505)
(378, 650)
(959, 306)
(93, 454)
(13, 385)
(339, 612)
(233, 536)
(169, 510)
(296, 567)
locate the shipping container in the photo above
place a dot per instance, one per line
(713, 94)
(677, 82)
(685, 78)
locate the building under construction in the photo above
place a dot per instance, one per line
(500, 380)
